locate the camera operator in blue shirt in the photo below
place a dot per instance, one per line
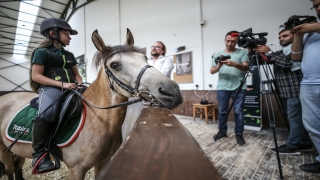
(305, 47)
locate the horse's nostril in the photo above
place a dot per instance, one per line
(165, 91)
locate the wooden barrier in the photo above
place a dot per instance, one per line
(159, 147)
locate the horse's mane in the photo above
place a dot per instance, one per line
(101, 57)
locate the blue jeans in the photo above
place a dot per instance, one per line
(298, 135)
(223, 98)
(310, 103)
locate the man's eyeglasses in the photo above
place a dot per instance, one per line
(155, 47)
(315, 7)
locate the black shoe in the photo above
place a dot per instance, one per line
(45, 164)
(311, 168)
(220, 135)
(306, 148)
(240, 139)
(284, 149)
(279, 147)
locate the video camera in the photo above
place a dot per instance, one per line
(295, 21)
(247, 39)
(221, 58)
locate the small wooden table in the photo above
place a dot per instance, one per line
(208, 110)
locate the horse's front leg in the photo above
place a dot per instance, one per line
(18, 163)
(98, 168)
(77, 173)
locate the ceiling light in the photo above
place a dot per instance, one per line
(22, 42)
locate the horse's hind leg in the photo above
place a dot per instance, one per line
(18, 163)
(11, 162)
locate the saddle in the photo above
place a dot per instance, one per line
(71, 107)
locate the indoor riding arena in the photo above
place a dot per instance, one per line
(159, 90)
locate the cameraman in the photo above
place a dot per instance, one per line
(305, 46)
(231, 71)
(288, 78)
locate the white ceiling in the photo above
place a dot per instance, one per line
(9, 11)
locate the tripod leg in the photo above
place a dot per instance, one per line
(270, 109)
(275, 91)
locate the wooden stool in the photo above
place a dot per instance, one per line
(208, 110)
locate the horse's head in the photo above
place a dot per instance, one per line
(130, 75)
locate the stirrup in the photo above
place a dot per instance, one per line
(35, 167)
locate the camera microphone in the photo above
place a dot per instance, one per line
(234, 34)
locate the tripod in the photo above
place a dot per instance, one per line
(272, 89)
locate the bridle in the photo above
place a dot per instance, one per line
(134, 91)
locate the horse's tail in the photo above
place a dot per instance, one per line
(2, 169)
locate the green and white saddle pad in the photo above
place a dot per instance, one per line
(23, 118)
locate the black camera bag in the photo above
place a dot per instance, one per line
(204, 102)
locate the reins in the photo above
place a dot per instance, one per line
(108, 107)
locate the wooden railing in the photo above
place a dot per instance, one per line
(159, 148)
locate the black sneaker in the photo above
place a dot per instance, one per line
(220, 135)
(306, 148)
(279, 147)
(311, 168)
(240, 139)
(286, 150)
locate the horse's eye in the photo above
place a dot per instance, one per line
(114, 65)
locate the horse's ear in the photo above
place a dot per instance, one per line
(129, 40)
(98, 41)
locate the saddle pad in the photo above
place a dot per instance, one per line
(24, 117)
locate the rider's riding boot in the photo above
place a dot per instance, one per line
(41, 132)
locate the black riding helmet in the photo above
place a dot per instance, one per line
(55, 24)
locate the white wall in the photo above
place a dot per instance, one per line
(14, 73)
(103, 16)
(177, 23)
(263, 16)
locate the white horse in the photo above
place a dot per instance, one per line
(122, 68)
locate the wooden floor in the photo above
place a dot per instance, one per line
(253, 160)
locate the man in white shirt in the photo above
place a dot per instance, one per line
(165, 66)
(158, 59)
